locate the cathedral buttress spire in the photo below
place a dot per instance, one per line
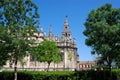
(50, 30)
(41, 29)
(50, 33)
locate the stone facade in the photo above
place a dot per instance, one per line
(65, 43)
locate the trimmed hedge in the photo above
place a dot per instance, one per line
(35, 75)
(96, 75)
(117, 73)
(62, 75)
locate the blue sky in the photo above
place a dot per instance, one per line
(53, 12)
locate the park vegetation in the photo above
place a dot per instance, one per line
(18, 23)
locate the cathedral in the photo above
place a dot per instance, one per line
(66, 44)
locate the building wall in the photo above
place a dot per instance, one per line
(85, 65)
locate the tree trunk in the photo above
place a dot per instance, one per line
(35, 66)
(44, 67)
(57, 66)
(109, 62)
(54, 66)
(48, 66)
(15, 69)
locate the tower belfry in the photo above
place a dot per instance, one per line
(66, 34)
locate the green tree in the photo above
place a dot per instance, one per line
(47, 51)
(103, 32)
(19, 18)
(57, 59)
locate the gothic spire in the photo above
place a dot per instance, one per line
(50, 32)
(41, 29)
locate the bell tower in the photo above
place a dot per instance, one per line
(66, 34)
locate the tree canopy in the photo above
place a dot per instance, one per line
(47, 51)
(102, 29)
(18, 12)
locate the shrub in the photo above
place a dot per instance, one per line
(62, 75)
